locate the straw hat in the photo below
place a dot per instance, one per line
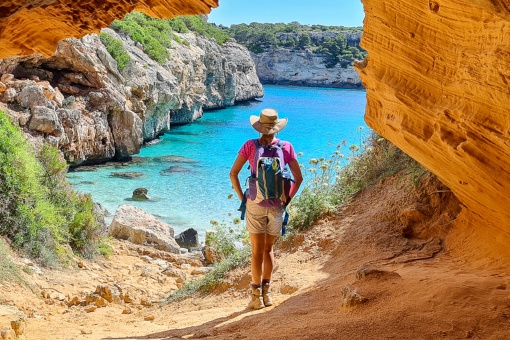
(268, 123)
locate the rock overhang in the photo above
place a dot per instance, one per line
(31, 26)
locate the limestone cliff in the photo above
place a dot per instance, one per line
(437, 80)
(38, 25)
(289, 67)
(79, 101)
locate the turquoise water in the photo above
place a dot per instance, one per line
(196, 189)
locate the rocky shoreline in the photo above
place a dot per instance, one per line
(78, 101)
(281, 66)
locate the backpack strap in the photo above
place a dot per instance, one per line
(285, 220)
(254, 169)
(242, 207)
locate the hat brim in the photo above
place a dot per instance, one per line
(265, 129)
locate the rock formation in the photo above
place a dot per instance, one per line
(79, 101)
(437, 80)
(38, 25)
(139, 227)
(302, 67)
(287, 67)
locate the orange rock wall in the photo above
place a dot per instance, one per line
(28, 26)
(438, 86)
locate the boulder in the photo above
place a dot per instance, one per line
(139, 227)
(140, 194)
(32, 96)
(45, 120)
(188, 239)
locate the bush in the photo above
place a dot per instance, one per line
(153, 34)
(39, 211)
(196, 24)
(332, 182)
(116, 50)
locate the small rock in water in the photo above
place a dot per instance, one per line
(140, 194)
(129, 174)
(174, 159)
(175, 169)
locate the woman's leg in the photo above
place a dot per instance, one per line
(268, 257)
(257, 257)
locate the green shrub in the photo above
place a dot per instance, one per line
(178, 25)
(332, 182)
(153, 34)
(116, 50)
(197, 25)
(39, 211)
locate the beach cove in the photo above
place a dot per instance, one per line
(186, 172)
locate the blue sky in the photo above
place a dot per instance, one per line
(324, 12)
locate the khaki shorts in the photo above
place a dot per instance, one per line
(261, 220)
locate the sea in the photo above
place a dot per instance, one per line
(186, 173)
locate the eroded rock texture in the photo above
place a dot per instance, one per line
(80, 102)
(38, 25)
(303, 68)
(437, 81)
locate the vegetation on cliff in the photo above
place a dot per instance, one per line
(156, 35)
(116, 50)
(39, 211)
(337, 44)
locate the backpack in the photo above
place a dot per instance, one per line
(270, 180)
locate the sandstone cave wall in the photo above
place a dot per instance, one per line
(437, 80)
(33, 26)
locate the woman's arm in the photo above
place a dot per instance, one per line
(234, 175)
(298, 177)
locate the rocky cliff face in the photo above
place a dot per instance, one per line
(38, 25)
(287, 67)
(437, 81)
(80, 102)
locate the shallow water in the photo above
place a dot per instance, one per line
(187, 173)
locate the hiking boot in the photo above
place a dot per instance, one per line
(266, 295)
(256, 298)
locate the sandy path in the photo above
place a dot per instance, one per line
(413, 289)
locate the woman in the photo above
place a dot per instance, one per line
(264, 223)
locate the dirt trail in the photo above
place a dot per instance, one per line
(409, 287)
